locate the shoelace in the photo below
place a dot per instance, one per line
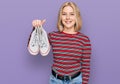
(39, 33)
(35, 39)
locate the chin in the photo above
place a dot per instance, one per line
(69, 26)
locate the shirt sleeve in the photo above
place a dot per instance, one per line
(49, 38)
(86, 61)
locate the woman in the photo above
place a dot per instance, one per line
(71, 49)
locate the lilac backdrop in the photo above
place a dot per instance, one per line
(100, 22)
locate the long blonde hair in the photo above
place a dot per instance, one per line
(78, 23)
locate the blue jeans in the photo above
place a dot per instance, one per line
(77, 80)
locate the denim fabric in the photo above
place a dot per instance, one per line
(77, 80)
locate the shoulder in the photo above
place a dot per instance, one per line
(83, 36)
(53, 33)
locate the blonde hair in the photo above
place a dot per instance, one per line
(78, 23)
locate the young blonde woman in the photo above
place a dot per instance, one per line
(71, 49)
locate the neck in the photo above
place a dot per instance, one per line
(69, 30)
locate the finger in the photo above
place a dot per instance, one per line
(39, 23)
(43, 21)
(34, 23)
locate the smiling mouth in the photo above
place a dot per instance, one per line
(68, 22)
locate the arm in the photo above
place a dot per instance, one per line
(86, 61)
(49, 38)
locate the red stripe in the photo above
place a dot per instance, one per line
(65, 55)
(68, 47)
(65, 62)
(87, 44)
(86, 48)
(85, 64)
(64, 67)
(85, 79)
(85, 75)
(66, 72)
(67, 42)
(87, 52)
(88, 60)
(72, 51)
(66, 59)
(65, 39)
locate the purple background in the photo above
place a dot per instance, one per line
(101, 22)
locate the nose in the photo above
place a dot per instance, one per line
(68, 17)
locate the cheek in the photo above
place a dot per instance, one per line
(63, 18)
(74, 19)
(62, 21)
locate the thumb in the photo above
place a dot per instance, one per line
(43, 21)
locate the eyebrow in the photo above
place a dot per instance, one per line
(65, 12)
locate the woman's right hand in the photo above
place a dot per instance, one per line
(38, 23)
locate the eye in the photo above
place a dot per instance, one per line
(63, 14)
(72, 14)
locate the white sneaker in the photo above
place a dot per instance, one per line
(33, 45)
(43, 42)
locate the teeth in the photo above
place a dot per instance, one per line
(67, 22)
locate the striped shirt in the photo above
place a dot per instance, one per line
(71, 54)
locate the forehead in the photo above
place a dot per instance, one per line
(67, 9)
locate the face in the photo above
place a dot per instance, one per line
(68, 17)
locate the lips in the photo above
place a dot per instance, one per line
(68, 22)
